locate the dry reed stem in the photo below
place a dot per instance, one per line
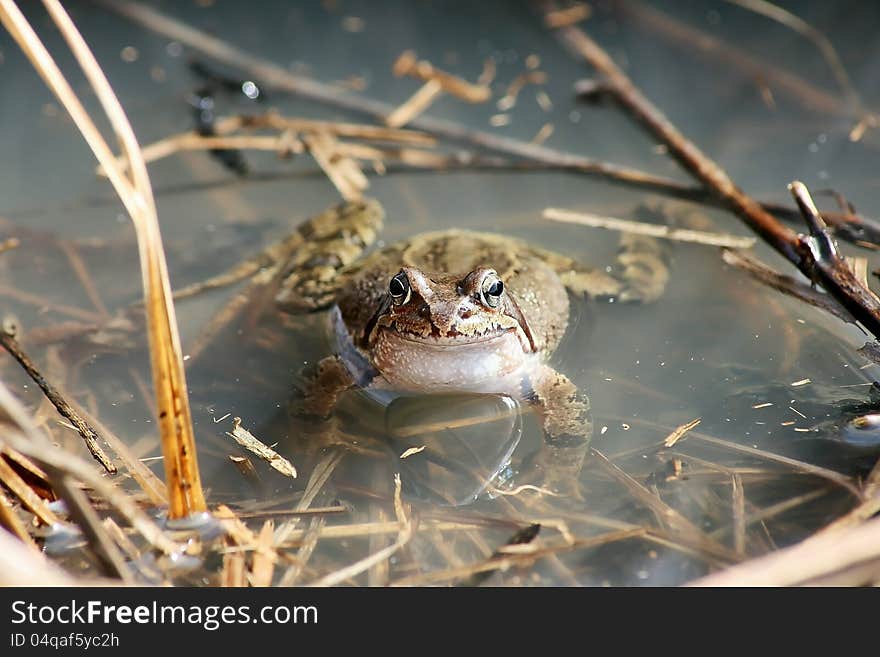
(543, 134)
(122, 540)
(343, 172)
(654, 230)
(769, 512)
(320, 475)
(175, 422)
(234, 570)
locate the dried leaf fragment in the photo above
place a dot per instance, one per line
(247, 440)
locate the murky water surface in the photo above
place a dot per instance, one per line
(777, 384)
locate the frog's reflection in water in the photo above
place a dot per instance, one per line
(452, 449)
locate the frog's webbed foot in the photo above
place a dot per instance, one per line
(332, 240)
(316, 397)
(640, 271)
(567, 426)
(642, 266)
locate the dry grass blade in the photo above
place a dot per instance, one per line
(234, 570)
(263, 561)
(110, 559)
(578, 12)
(250, 442)
(175, 421)
(149, 482)
(666, 515)
(799, 25)
(405, 533)
(738, 503)
(13, 524)
(31, 501)
(825, 473)
(785, 284)
(850, 556)
(34, 445)
(520, 555)
(679, 432)
(654, 230)
(310, 541)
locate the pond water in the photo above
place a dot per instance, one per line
(776, 384)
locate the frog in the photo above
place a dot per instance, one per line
(456, 311)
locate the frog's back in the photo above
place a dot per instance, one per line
(534, 285)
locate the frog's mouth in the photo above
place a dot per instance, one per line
(453, 337)
(488, 337)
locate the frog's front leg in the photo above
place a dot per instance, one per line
(567, 427)
(323, 383)
(316, 398)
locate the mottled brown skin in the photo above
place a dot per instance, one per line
(421, 315)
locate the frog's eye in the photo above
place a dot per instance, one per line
(399, 289)
(491, 290)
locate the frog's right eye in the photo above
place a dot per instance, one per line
(399, 289)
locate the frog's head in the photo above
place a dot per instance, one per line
(436, 332)
(451, 310)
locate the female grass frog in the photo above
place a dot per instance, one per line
(455, 311)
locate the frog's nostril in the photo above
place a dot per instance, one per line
(465, 313)
(425, 310)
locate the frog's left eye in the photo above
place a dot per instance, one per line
(491, 290)
(399, 289)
